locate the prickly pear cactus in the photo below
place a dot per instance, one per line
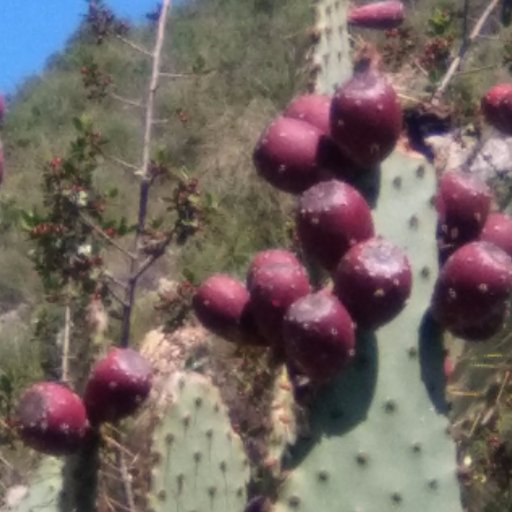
(200, 461)
(331, 55)
(379, 438)
(45, 488)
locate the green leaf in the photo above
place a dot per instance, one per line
(189, 275)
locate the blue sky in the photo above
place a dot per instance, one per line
(32, 30)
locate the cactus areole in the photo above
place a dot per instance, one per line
(51, 419)
(366, 118)
(118, 384)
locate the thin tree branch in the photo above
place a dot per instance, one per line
(127, 101)
(65, 344)
(134, 46)
(123, 163)
(463, 49)
(114, 280)
(151, 259)
(110, 240)
(146, 177)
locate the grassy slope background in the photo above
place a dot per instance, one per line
(253, 55)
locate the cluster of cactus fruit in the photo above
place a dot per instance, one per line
(52, 419)
(368, 338)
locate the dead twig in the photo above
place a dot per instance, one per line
(466, 44)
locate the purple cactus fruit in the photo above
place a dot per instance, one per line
(270, 257)
(221, 304)
(274, 287)
(484, 326)
(463, 203)
(366, 118)
(496, 106)
(51, 419)
(377, 15)
(319, 336)
(117, 385)
(498, 231)
(373, 280)
(473, 287)
(332, 216)
(291, 155)
(311, 108)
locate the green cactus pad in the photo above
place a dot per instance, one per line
(331, 55)
(200, 462)
(378, 439)
(44, 488)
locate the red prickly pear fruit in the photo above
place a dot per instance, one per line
(484, 326)
(496, 106)
(366, 118)
(463, 202)
(332, 216)
(378, 15)
(290, 155)
(274, 287)
(270, 257)
(311, 108)
(472, 291)
(373, 280)
(498, 231)
(319, 336)
(51, 419)
(117, 385)
(221, 304)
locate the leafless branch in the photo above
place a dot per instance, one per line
(463, 49)
(146, 177)
(123, 163)
(65, 344)
(134, 46)
(100, 232)
(127, 101)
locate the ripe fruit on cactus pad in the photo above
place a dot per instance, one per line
(366, 118)
(221, 304)
(291, 155)
(498, 231)
(117, 385)
(378, 15)
(473, 289)
(497, 107)
(332, 216)
(51, 418)
(312, 108)
(274, 287)
(318, 335)
(463, 203)
(373, 280)
(270, 257)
